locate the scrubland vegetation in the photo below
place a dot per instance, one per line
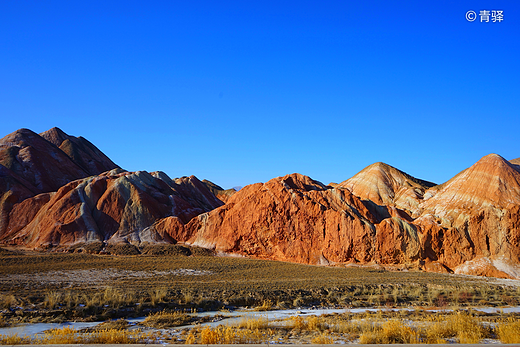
(68, 335)
(166, 284)
(368, 328)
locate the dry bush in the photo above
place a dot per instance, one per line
(65, 335)
(190, 339)
(166, 319)
(312, 323)
(253, 323)
(157, 295)
(230, 335)
(391, 331)
(463, 326)
(266, 305)
(8, 301)
(323, 339)
(14, 340)
(122, 249)
(115, 336)
(467, 327)
(52, 299)
(68, 335)
(508, 331)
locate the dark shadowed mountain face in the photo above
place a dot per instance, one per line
(80, 151)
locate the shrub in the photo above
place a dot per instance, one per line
(14, 340)
(166, 319)
(165, 249)
(323, 339)
(122, 249)
(508, 331)
(52, 299)
(391, 331)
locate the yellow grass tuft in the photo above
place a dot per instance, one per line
(508, 331)
(253, 323)
(266, 305)
(14, 340)
(230, 335)
(391, 331)
(323, 339)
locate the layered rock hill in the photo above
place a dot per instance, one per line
(470, 224)
(31, 164)
(80, 151)
(116, 206)
(386, 185)
(295, 218)
(58, 191)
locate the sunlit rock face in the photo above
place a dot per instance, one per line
(380, 215)
(386, 185)
(295, 218)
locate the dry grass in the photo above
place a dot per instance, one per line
(253, 323)
(323, 339)
(52, 299)
(14, 340)
(69, 335)
(508, 331)
(391, 331)
(7, 300)
(266, 305)
(158, 295)
(166, 319)
(231, 335)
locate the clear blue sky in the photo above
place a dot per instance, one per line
(241, 92)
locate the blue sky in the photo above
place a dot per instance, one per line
(241, 92)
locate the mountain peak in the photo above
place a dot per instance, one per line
(301, 182)
(490, 181)
(55, 135)
(384, 184)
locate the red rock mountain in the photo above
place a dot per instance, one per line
(386, 185)
(81, 151)
(470, 224)
(116, 206)
(30, 164)
(295, 218)
(59, 191)
(221, 193)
